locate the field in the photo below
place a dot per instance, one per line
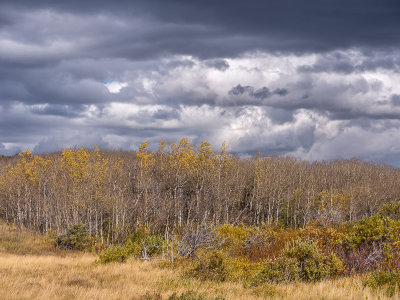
(30, 268)
(184, 222)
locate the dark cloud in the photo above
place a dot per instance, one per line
(240, 90)
(261, 93)
(317, 79)
(395, 100)
(346, 63)
(281, 92)
(217, 28)
(219, 64)
(58, 110)
(166, 114)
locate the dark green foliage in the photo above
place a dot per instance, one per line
(76, 238)
(388, 281)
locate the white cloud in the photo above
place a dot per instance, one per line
(115, 87)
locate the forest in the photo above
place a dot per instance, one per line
(258, 220)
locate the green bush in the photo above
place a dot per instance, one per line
(133, 247)
(374, 230)
(211, 265)
(77, 238)
(313, 265)
(301, 260)
(391, 210)
(143, 241)
(387, 281)
(118, 253)
(153, 244)
(281, 269)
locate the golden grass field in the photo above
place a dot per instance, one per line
(31, 269)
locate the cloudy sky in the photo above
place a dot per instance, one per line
(315, 79)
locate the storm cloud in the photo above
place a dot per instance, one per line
(312, 79)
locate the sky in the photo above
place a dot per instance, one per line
(313, 79)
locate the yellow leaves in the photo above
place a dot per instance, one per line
(26, 155)
(86, 175)
(30, 165)
(26, 165)
(75, 161)
(28, 171)
(204, 151)
(182, 155)
(162, 146)
(146, 159)
(82, 165)
(205, 156)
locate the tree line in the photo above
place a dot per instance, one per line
(114, 193)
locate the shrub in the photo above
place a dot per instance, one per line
(195, 238)
(282, 269)
(313, 265)
(391, 210)
(118, 253)
(210, 266)
(327, 238)
(134, 248)
(388, 281)
(371, 244)
(374, 230)
(301, 260)
(76, 238)
(137, 246)
(241, 268)
(151, 245)
(233, 238)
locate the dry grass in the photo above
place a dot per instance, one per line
(25, 274)
(23, 242)
(77, 276)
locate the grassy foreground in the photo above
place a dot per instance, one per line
(30, 268)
